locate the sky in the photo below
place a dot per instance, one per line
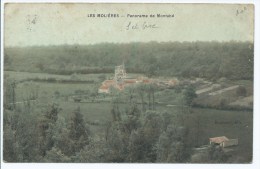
(59, 24)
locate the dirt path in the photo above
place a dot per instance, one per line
(223, 90)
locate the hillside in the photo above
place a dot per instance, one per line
(233, 60)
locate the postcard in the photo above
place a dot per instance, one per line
(167, 83)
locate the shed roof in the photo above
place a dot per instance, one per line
(104, 87)
(130, 80)
(109, 82)
(218, 140)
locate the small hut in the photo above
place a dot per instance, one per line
(223, 141)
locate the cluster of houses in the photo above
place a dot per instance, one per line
(121, 81)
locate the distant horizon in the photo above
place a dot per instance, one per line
(125, 43)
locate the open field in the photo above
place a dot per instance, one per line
(232, 124)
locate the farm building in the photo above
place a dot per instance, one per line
(223, 141)
(103, 89)
(121, 80)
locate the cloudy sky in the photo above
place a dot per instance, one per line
(57, 24)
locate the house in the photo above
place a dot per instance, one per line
(103, 89)
(130, 81)
(121, 80)
(223, 141)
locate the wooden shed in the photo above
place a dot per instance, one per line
(223, 141)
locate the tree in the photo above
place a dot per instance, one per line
(141, 93)
(94, 152)
(7, 60)
(173, 145)
(46, 127)
(116, 141)
(78, 132)
(40, 66)
(9, 94)
(216, 154)
(55, 155)
(189, 95)
(26, 138)
(163, 148)
(152, 127)
(137, 147)
(241, 91)
(9, 145)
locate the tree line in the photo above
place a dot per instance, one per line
(233, 60)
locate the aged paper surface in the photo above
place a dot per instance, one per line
(128, 83)
(124, 23)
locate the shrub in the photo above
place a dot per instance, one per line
(241, 91)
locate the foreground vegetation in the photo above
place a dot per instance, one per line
(36, 133)
(121, 130)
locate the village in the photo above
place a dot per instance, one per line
(121, 80)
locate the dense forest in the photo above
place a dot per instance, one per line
(233, 60)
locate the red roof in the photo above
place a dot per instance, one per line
(121, 87)
(218, 140)
(109, 82)
(146, 81)
(104, 87)
(130, 81)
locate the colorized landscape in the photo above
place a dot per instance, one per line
(168, 102)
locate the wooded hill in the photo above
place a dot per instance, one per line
(233, 60)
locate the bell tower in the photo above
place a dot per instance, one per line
(120, 73)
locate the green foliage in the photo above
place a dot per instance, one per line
(137, 147)
(10, 147)
(233, 60)
(52, 113)
(241, 91)
(217, 155)
(55, 155)
(94, 152)
(46, 127)
(116, 140)
(139, 138)
(173, 145)
(189, 95)
(78, 132)
(9, 93)
(24, 137)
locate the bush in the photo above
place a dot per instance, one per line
(241, 91)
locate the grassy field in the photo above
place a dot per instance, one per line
(207, 123)
(25, 75)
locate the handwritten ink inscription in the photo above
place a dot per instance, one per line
(241, 11)
(140, 26)
(31, 20)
